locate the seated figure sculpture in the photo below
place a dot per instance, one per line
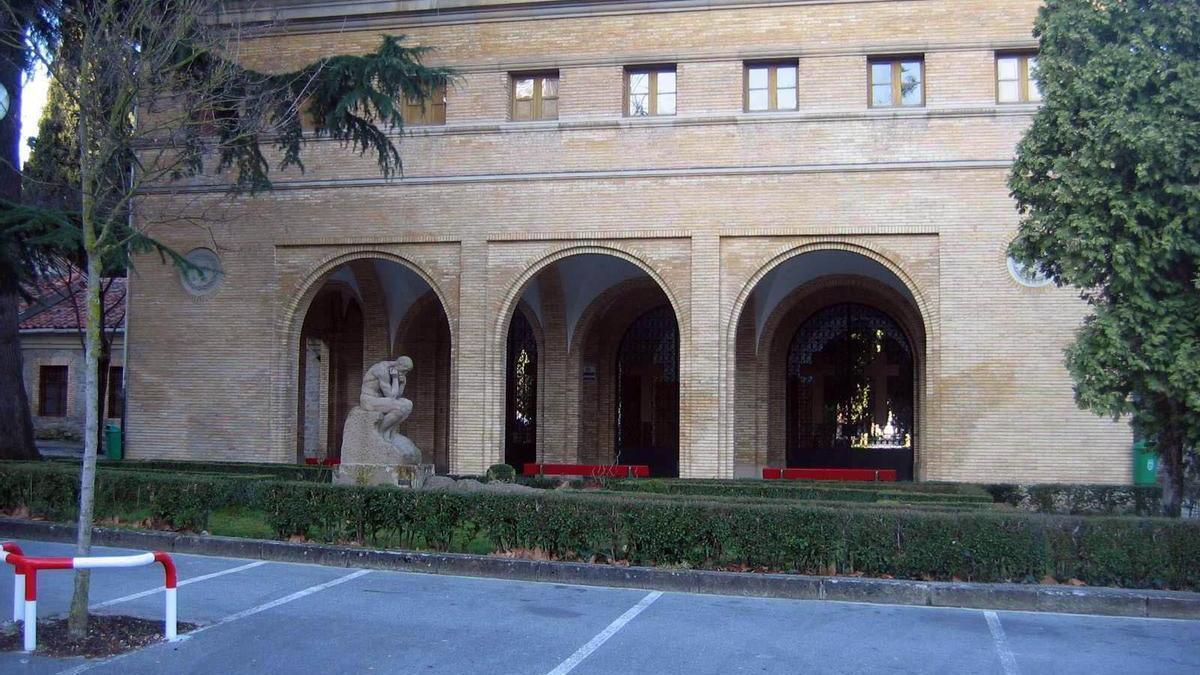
(373, 449)
(383, 392)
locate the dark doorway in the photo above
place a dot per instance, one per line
(334, 319)
(647, 411)
(850, 392)
(520, 417)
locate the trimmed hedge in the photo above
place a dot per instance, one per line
(865, 492)
(801, 537)
(1142, 500)
(183, 502)
(319, 474)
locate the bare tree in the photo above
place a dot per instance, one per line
(161, 97)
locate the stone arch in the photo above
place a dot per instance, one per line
(920, 322)
(513, 295)
(522, 282)
(797, 307)
(291, 322)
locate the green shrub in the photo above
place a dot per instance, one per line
(501, 473)
(799, 490)
(1142, 500)
(767, 533)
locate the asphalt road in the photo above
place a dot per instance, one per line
(278, 617)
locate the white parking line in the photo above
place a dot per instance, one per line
(1007, 661)
(594, 644)
(282, 601)
(185, 582)
(232, 617)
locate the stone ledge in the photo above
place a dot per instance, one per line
(1059, 599)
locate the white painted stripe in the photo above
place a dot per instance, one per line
(91, 563)
(282, 601)
(1007, 660)
(594, 644)
(185, 582)
(232, 617)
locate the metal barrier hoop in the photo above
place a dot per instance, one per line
(25, 583)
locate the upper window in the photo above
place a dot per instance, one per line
(650, 91)
(1016, 78)
(430, 111)
(897, 82)
(52, 391)
(534, 97)
(770, 86)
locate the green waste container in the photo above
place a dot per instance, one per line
(1145, 464)
(112, 441)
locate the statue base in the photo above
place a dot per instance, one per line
(363, 444)
(399, 475)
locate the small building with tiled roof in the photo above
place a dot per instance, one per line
(52, 319)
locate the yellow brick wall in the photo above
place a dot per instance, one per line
(705, 202)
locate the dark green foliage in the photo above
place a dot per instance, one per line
(502, 473)
(714, 533)
(1106, 182)
(1080, 499)
(850, 492)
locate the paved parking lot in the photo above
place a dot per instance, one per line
(265, 616)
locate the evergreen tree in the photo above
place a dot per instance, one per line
(1107, 180)
(156, 102)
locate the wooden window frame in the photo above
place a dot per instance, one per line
(1023, 78)
(652, 93)
(431, 112)
(43, 371)
(537, 111)
(896, 61)
(772, 85)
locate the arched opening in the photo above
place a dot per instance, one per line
(850, 391)
(331, 368)
(520, 406)
(363, 312)
(594, 379)
(647, 397)
(829, 358)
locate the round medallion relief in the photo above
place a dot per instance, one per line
(205, 274)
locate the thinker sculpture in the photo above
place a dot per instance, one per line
(383, 392)
(373, 449)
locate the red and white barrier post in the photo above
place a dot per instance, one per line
(31, 566)
(6, 549)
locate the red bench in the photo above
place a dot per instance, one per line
(772, 473)
(313, 461)
(588, 470)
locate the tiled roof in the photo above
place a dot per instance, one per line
(58, 303)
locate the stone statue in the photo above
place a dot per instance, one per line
(373, 449)
(383, 392)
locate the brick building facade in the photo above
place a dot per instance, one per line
(799, 258)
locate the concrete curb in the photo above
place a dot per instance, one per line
(1021, 597)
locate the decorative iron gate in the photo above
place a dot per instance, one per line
(851, 391)
(647, 396)
(520, 417)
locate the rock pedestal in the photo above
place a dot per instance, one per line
(370, 459)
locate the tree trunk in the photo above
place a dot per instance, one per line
(78, 619)
(1170, 475)
(16, 440)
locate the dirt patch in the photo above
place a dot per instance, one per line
(107, 635)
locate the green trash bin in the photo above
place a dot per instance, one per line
(112, 441)
(1145, 464)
